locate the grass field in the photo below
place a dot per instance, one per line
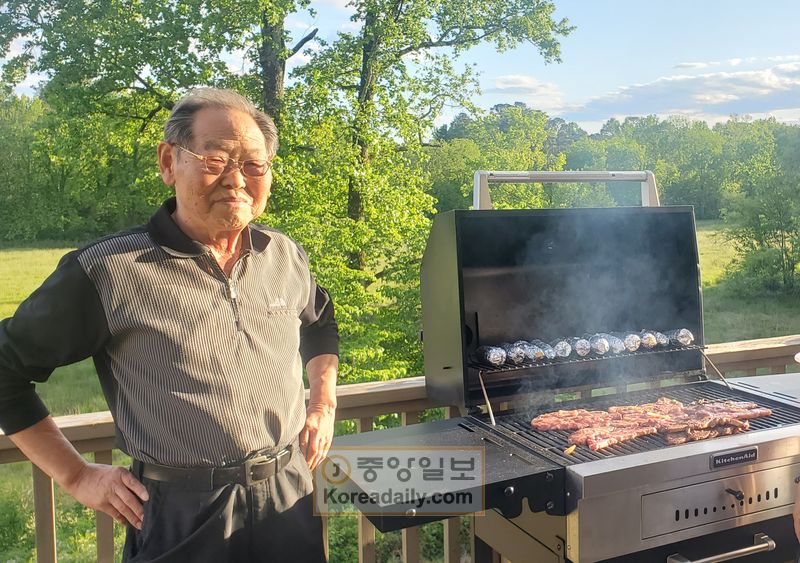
(75, 389)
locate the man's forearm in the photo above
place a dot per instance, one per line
(47, 448)
(113, 490)
(322, 371)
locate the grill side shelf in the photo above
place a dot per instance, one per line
(510, 473)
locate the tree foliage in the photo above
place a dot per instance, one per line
(350, 178)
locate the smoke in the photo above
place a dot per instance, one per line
(546, 274)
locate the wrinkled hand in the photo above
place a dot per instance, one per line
(316, 436)
(110, 489)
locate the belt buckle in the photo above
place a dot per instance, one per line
(258, 462)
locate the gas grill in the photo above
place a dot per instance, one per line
(499, 276)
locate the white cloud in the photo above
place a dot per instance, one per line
(784, 58)
(736, 61)
(697, 65)
(742, 92)
(545, 96)
(714, 98)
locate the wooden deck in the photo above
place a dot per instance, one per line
(94, 432)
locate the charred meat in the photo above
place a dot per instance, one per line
(678, 422)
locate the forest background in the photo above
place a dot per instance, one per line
(362, 168)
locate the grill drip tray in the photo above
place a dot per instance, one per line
(552, 444)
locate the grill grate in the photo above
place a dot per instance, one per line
(553, 443)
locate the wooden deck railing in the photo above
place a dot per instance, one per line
(94, 432)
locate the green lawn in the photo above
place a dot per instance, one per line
(75, 389)
(729, 317)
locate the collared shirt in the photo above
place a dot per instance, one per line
(198, 368)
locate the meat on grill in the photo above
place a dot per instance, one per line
(676, 438)
(679, 422)
(571, 420)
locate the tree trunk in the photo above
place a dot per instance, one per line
(272, 60)
(366, 92)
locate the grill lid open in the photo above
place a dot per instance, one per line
(500, 276)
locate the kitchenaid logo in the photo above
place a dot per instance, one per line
(734, 458)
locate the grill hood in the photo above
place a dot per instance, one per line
(500, 276)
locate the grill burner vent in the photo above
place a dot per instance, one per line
(687, 515)
(685, 507)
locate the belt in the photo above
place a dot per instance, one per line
(250, 471)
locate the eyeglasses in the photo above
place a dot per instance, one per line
(216, 165)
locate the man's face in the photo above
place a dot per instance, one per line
(229, 201)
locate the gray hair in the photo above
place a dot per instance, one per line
(178, 129)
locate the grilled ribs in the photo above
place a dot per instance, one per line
(678, 422)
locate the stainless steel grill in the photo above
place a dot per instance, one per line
(501, 276)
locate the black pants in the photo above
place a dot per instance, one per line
(265, 522)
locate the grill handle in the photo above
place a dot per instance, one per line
(761, 542)
(482, 200)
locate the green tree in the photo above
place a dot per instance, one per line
(364, 107)
(561, 135)
(450, 168)
(348, 180)
(24, 172)
(764, 208)
(623, 153)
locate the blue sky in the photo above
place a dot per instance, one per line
(704, 59)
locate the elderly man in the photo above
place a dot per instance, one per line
(199, 324)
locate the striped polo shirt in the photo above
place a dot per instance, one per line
(198, 368)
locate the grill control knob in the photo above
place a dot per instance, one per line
(738, 495)
(509, 491)
(411, 512)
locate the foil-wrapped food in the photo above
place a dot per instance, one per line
(616, 344)
(492, 355)
(532, 352)
(598, 344)
(515, 354)
(680, 337)
(561, 347)
(546, 349)
(580, 346)
(661, 338)
(649, 340)
(630, 339)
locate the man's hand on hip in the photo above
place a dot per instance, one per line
(110, 489)
(316, 436)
